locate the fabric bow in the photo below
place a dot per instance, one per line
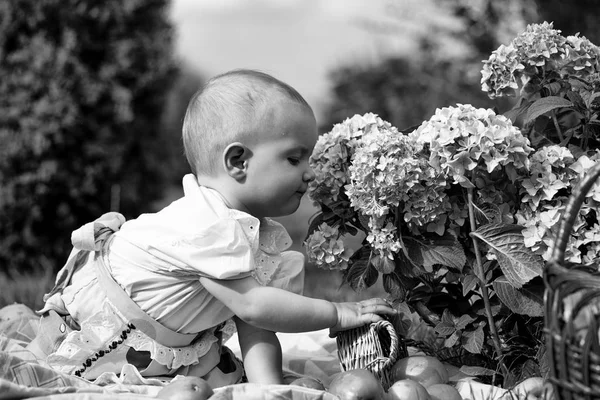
(90, 237)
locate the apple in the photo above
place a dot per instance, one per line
(426, 370)
(407, 389)
(356, 384)
(186, 388)
(443, 391)
(307, 381)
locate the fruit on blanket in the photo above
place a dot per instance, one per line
(186, 388)
(356, 384)
(443, 391)
(307, 381)
(407, 389)
(426, 370)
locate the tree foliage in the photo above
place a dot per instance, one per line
(400, 90)
(81, 94)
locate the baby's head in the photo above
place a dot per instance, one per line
(230, 107)
(249, 136)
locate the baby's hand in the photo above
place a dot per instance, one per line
(353, 315)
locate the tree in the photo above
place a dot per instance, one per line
(82, 89)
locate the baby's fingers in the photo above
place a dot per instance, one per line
(377, 306)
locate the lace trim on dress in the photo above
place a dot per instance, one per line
(103, 332)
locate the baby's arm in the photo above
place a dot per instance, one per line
(261, 353)
(278, 310)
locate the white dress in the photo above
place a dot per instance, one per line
(157, 260)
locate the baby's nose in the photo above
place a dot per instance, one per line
(309, 175)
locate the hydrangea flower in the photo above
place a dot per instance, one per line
(549, 173)
(388, 175)
(540, 229)
(332, 153)
(554, 172)
(325, 248)
(540, 48)
(465, 139)
(384, 239)
(501, 72)
(591, 240)
(582, 57)
(540, 45)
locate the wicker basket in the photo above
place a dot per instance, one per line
(572, 296)
(374, 347)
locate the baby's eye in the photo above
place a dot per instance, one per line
(293, 160)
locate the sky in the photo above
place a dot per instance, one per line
(297, 41)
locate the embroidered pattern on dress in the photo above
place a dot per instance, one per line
(273, 239)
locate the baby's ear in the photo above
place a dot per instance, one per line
(235, 160)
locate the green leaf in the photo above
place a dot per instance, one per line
(525, 301)
(452, 339)
(383, 264)
(593, 97)
(447, 317)
(445, 250)
(481, 217)
(469, 283)
(514, 113)
(463, 321)
(472, 341)
(445, 328)
(402, 320)
(361, 274)
(476, 371)
(544, 105)
(518, 263)
(553, 88)
(393, 285)
(576, 99)
(315, 221)
(406, 266)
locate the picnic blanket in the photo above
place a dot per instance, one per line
(313, 354)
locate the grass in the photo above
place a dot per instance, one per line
(25, 288)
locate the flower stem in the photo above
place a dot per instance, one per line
(481, 276)
(556, 126)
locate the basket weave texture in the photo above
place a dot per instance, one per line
(572, 311)
(374, 347)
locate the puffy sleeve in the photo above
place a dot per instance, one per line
(221, 251)
(290, 274)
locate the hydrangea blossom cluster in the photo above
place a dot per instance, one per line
(549, 173)
(388, 172)
(384, 239)
(464, 141)
(582, 57)
(333, 151)
(325, 248)
(554, 171)
(538, 49)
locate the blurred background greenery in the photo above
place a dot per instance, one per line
(92, 95)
